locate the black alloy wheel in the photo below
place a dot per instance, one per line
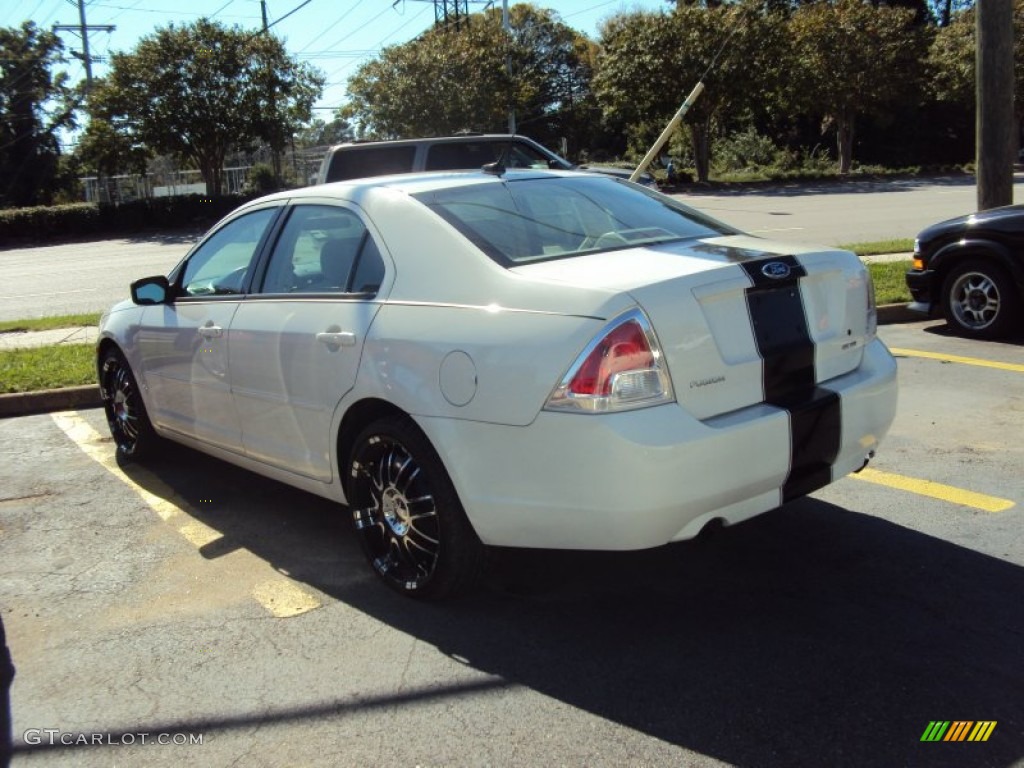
(126, 414)
(407, 514)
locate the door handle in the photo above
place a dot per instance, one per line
(337, 338)
(211, 331)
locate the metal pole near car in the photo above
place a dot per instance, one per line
(994, 115)
(672, 125)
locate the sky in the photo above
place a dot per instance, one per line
(335, 36)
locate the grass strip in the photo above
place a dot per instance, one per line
(59, 365)
(890, 285)
(878, 247)
(49, 323)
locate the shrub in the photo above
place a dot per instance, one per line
(261, 180)
(76, 220)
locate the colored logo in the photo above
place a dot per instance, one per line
(958, 730)
(776, 270)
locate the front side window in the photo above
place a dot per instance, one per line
(221, 264)
(323, 249)
(517, 221)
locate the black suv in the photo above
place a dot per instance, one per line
(972, 269)
(361, 159)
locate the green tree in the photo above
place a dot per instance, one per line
(853, 59)
(107, 152)
(319, 133)
(649, 62)
(202, 90)
(446, 81)
(34, 104)
(951, 62)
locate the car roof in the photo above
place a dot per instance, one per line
(414, 183)
(452, 138)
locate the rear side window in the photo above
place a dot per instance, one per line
(323, 249)
(362, 162)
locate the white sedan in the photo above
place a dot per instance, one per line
(533, 359)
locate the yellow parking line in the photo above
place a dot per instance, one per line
(279, 597)
(957, 359)
(935, 490)
(98, 448)
(283, 599)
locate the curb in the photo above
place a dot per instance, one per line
(88, 396)
(47, 400)
(893, 314)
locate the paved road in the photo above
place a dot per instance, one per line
(88, 277)
(842, 213)
(192, 597)
(81, 277)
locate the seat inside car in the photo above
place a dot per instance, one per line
(336, 259)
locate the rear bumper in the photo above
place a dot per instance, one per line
(644, 478)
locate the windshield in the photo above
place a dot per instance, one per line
(518, 221)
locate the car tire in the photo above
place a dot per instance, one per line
(129, 423)
(979, 300)
(407, 515)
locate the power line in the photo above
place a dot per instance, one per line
(332, 26)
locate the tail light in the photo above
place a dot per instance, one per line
(621, 369)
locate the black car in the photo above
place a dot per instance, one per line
(972, 269)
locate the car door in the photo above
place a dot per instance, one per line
(297, 340)
(184, 344)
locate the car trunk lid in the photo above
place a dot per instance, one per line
(740, 320)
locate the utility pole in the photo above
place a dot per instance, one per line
(994, 111)
(275, 159)
(83, 29)
(508, 64)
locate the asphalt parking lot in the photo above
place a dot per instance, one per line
(189, 601)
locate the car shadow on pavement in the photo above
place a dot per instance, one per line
(943, 330)
(809, 636)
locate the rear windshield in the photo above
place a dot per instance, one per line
(527, 220)
(362, 162)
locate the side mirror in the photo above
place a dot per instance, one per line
(151, 290)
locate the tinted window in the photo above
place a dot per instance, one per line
(360, 162)
(222, 262)
(535, 219)
(467, 155)
(319, 250)
(456, 156)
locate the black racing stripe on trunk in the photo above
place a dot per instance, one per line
(789, 378)
(815, 425)
(780, 329)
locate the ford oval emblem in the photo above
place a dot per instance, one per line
(776, 270)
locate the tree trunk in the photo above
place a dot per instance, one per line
(210, 169)
(700, 141)
(844, 141)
